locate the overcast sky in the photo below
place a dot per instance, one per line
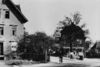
(43, 15)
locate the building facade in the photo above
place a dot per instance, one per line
(11, 25)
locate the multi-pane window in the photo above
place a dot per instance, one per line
(7, 14)
(1, 30)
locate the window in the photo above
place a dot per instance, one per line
(7, 14)
(14, 31)
(1, 31)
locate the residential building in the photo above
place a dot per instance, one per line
(11, 25)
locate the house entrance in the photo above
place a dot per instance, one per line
(1, 51)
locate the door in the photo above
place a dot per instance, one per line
(1, 48)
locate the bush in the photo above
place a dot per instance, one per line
(92, 55)
(34, 57)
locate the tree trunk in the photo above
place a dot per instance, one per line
(46, 55)
(71, 44)
(70, 47)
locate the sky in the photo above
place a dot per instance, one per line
(44, 15)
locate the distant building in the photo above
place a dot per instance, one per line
(11, 25)
(94, 50)
(96, 47)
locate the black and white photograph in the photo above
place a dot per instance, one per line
(49, 33)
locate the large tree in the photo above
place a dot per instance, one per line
(70, 33)
(35, 45)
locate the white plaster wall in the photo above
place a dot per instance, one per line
(0, 1)
(8, 29)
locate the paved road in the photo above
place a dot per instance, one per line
(61, 65)
(51, 65)
(66, 63)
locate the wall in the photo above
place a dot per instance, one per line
(7, 38)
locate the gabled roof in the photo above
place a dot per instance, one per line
(17, 12)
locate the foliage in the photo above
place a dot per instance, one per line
(87, 45)
(33, 46)
(70, 31)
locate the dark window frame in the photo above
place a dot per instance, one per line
(7, 14)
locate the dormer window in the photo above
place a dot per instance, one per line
(7, 14)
